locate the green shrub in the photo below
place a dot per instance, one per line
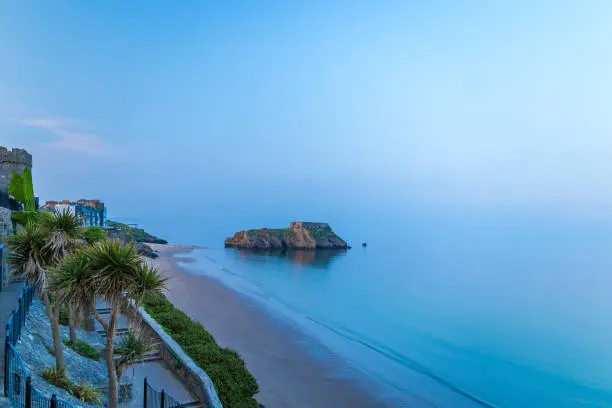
(23, 217)
(94, 234)
(83, 391)
(84, 349)
(57, 378)
(16, 187)
(87, 393)
(235, 385)
(28, 203)
(22, 189)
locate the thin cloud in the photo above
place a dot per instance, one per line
(69, 137)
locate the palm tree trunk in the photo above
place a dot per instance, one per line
(88, 320)
(113, 380)
(58, 348)
(72, 323)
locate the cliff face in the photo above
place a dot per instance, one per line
(299, 235)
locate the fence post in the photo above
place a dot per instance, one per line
(7, 339)
(163, 400)
(21, 315)
(144, 397)
(1, 268)
(12, 322)
(24, 305)
(18, 331)
(53, 401)
(13, 328)
(28, 396)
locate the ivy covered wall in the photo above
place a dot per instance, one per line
(22, 189)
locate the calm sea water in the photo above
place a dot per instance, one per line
(453, 311)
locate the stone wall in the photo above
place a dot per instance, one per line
(194, 378)
(303, 224)
(14, 160)
(6, 228)
(6, 224)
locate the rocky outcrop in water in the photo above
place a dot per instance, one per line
(299, 235)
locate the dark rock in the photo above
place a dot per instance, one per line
(146, 250)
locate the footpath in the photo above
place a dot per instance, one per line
(8, 302)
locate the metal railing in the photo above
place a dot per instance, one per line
(17, 380)
(2, 269)
(17, 318)
(159, 399)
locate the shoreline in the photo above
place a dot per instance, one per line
(274, 351)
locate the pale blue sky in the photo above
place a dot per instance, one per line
(277, 104)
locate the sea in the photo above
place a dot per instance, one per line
(448, 309)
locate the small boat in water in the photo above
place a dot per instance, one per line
(364, 244)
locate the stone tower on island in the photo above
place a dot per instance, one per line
(14, 160)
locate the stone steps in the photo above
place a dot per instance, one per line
(117, 332)
(148, 357)
(103, 310)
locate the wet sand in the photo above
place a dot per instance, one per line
(273, 350)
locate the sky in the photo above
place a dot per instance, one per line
(301, 108)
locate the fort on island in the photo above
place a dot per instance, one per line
(299, 235)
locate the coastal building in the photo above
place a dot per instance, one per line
(91, 212)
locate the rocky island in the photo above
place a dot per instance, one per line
(299, 235)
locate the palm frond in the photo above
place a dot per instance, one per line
(64, 228)
(73, 281)
(131, 347)
(29, 256)
(147, 280)
(115, 268)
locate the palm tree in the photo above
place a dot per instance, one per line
(120, 277)
(72, 281)
(64, 229)
(131, 347)
(30, 257)
(35, 251)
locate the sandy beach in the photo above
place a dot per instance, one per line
(273, 350)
